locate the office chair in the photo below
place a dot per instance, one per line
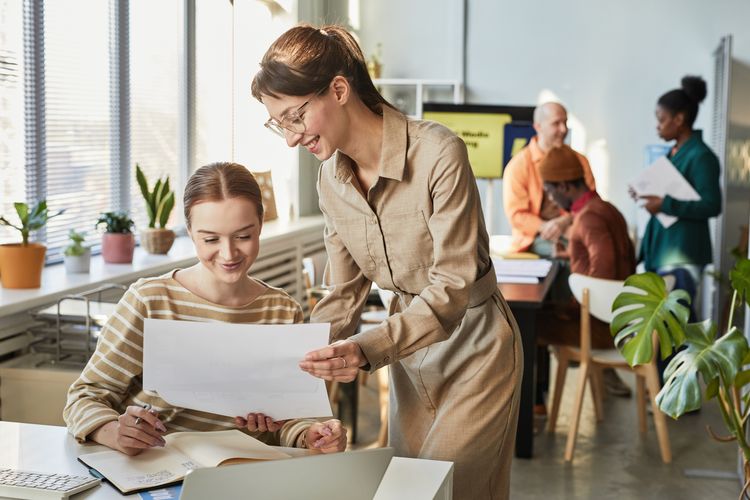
(595, 297)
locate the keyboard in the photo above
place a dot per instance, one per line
(28, 485)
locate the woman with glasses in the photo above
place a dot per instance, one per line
(402, 210)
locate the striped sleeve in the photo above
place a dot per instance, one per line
(106, 378)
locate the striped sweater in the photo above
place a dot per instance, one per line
(112, 379)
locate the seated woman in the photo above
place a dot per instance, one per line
(107, 404)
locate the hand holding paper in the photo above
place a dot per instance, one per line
(339, 361)
(234, 369)
(661, 178)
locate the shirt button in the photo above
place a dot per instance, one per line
(373, 220)
(386, 360)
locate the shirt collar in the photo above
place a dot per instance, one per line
(392, 153)
(582, 201)
(695, 138)
(535, 150)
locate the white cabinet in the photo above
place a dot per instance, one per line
(408, 95)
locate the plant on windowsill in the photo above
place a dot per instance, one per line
(21, 264)
(77, 256)
(719, 360)
(118, 242)
(159, 204)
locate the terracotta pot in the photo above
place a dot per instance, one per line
(157, 241)
(21, 266)
(117, 248)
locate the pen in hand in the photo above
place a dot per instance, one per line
(158, 425)
(146, 407)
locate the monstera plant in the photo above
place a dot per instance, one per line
(645, 307)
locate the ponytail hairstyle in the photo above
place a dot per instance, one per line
(221, 181)
(685, 99)
(305, 59)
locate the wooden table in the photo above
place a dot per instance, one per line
(525, 300)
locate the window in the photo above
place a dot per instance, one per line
(155, 100)
(104, 90)
(78, 115)
(89, 88)
(12, 187)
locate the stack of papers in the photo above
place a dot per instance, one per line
(661, 178)
(521, 271)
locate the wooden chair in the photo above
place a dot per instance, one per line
(596, 297)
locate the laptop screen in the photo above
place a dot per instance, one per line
(354, 475)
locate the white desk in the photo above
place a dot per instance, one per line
(47, 448)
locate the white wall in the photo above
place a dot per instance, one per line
(608, 62)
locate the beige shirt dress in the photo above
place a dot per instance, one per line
(452, 343)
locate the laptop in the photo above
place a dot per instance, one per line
(354, 475)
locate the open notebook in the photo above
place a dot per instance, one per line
(183, 452)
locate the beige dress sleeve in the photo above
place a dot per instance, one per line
(439, 304)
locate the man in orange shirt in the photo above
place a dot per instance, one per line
(536, 221)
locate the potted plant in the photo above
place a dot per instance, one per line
(21, 264)
(159, 204)
(77, 256)
(118, 241)
(718, 360)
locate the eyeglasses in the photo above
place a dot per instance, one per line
(293, 121)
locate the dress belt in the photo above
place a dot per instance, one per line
(482, 289)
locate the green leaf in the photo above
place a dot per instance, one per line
(142, 183)
(652, 309)
(740, 277)
(705, 356)
(742, 379)
(165, 192)
(712, 388)
(165, 209)
(22, 209)
(39, 209)
(153, 200)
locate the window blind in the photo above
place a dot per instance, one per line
(78, 119)
(155, 56)
(12, 174)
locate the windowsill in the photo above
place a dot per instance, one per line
(56, 283)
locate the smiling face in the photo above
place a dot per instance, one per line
(226, 237)
(317, 136)
(552, 127)
(323, 118)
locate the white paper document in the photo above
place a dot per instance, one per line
(661, 178)
(234, 369)
(521, 271)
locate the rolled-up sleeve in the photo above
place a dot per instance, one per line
(437, 310)
(516, 200)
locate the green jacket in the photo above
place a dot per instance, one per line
(687, 241)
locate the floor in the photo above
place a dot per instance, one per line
(612, 460)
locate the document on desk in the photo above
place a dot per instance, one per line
(521, 271)
(661, 178)
(234, 369)
(183, 452)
